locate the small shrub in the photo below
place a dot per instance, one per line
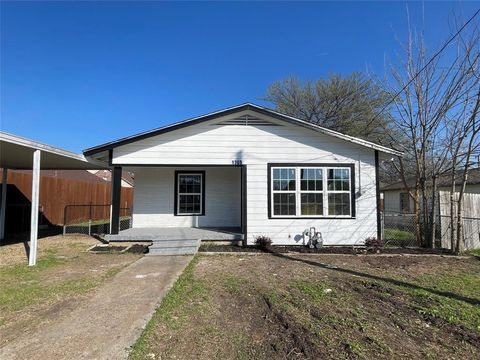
(263, 242)
(373, 243)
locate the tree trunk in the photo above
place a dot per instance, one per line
(425, 214)
(460, 240)
(453, 244)
(433, 219)
(416, 210)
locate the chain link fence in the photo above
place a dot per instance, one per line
(398, 229)
(92, 219)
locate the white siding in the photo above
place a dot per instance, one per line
(255, 146)
(392, 197)
(392, 201)
(155, 191)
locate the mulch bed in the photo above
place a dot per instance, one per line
(138, 249)
(108, 248)
(324, 250)
(229, 248)
(134, 249)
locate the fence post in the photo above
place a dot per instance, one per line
(65, 215)
(90, 219)
(382, 225)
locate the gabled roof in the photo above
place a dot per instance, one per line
(107, 176)
(232, 110)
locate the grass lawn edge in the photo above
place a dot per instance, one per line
(169, 302)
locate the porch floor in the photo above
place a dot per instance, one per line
(176, 233)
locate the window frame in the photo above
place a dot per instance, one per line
(322, 192)
(298, 167)
(404, 209)
(285, 191)
(333, 192)
(177, 194)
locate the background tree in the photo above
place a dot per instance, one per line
(345, 104)
(437, 111)
(430, 112)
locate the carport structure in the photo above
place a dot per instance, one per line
(18, 153)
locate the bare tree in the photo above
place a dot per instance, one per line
(342, 103)
(437, 111)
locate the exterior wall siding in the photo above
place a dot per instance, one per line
(392, 201)
(255, 146)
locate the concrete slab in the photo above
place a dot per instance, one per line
(173, 233)
(106, 324)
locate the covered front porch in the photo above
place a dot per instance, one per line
(183, 203)
(176, 233)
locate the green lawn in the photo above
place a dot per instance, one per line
(396, 234)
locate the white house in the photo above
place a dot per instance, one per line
(397, 199)
(254, 170)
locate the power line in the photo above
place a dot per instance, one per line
(426, 65)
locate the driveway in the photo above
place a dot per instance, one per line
(106, 324)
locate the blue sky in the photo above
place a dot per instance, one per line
(77, 74)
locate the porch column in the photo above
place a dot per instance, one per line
(32, 259)
(3, 203)
(379, 201)
(116, 192)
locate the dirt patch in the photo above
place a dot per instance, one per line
(323, 307)
(17, 252)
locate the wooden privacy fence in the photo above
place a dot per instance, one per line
(470, 220)
(57, 193)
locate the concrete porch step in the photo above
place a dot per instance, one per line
(174, 247)
(175, 243)
(185, 250)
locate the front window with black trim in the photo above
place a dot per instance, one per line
(339, 192)
(189, 194)
(284, 198)
(311, 191)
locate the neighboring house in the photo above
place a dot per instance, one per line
(397, 200)
(106, 175)
(253, 169)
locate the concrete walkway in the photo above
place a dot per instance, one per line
(109, 322)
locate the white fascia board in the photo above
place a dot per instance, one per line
(34, 145)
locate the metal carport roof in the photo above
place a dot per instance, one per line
(20, 153)
(17, 153)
